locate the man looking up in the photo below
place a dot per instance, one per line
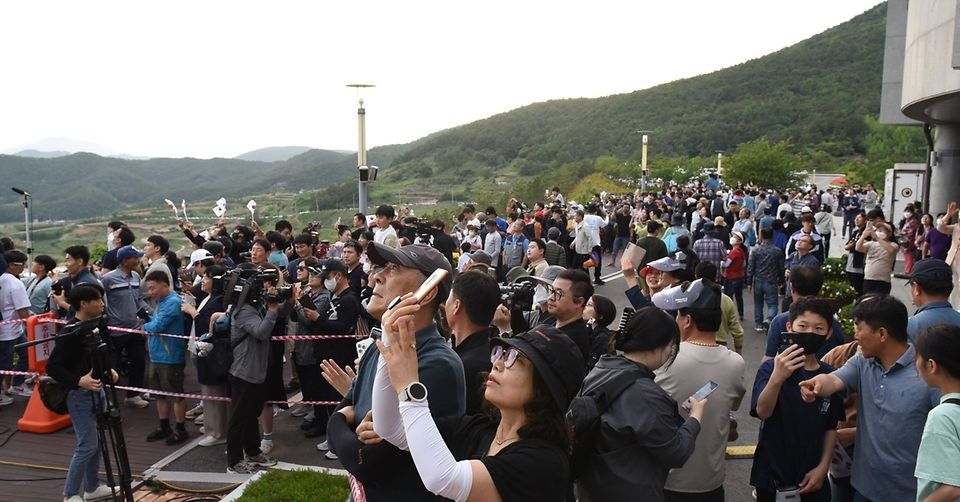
(930, 286)
(122, 294)
(469, 310)
(121, 237)
(167, 359)
(700, 359)
(892, 402)
(386, 472)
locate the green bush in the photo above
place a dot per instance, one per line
(846, 320)
(297, 486)
(834, 269)
(836, 290)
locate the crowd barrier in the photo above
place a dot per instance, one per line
(37, 418)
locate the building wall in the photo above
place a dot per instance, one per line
(928, 70)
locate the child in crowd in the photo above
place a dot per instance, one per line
(938, 362)
(796, 438)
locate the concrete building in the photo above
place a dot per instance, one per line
(921, 86)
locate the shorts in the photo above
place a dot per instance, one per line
(167, 378)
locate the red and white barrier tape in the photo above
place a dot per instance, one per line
(142, 332)
(12, 321)
(216, 398)
(19, 373)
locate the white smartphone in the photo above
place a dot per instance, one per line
(705, 391)
(362, 346)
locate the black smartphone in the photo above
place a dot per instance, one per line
(786, 340)
(142, 314)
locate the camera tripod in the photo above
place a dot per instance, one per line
(109, 424)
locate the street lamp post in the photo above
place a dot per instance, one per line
(643, 162)
(720, 162)
(362, 150)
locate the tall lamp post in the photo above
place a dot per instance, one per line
(26, 220)
(719, 162)
(643, 162)
(365, 171)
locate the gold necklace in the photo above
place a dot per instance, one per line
(704, 344)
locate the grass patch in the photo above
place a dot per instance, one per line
(297, 486)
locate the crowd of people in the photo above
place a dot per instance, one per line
(465, 391)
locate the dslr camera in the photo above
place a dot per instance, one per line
(519, 295)
(233, 284)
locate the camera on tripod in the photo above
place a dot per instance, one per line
(519, 295)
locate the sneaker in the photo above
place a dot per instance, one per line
(195, 411)
(241, 467)
(148, 397)
(203, 430)
(74, 498)
(599, 282)
(759, 329)
(277, 410)
(177, 437)
(324, 446)
(159, 434)
(102, 492)
(315, 432)
(262, 460)
(308, 424)
(20, 390)
(300, 411)
(198, 419)
(211, 441)
(331, 456)
(30, 381)
(135, 402)
(5, 400)
(766, 325)
(733, 434)
(291, 387)
(266, 447)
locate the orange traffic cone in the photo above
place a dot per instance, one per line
(38, 418)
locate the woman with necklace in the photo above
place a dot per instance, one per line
(517, 450)
(640, 438)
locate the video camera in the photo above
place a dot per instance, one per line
(232, 285)
(519, 295)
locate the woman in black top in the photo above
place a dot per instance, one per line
(599, 312)
(640, 438)
(215, 417)
(518, 450)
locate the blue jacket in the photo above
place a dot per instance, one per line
(167, 318)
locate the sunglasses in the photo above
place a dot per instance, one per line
(509, 356)
(301, 268)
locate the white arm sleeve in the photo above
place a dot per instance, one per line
(386, 417)
(440, 472)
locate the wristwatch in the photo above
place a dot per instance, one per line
(416, 392)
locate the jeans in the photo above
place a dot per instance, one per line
(874, 287)
(734, 289)
(849, 220)
(86, 458)
(619, 244)
(6, 357)
(764, 292)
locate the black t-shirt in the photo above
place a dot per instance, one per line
(623, 224)
(579, 332)
(444, 243)
(474, 352)
(526, 470)
(109, 259)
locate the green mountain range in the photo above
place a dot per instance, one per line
(815, 93)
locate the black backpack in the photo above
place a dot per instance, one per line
(584, 416)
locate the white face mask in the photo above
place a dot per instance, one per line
(330, 284)
(907, 215)
(540, 295)
(367, 267)
(882, 235)
(733, 241)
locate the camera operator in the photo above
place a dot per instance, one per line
(250, 331)
(70, 367)
(506, 320)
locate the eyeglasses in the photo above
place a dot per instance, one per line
(509, 356)
(554, 292)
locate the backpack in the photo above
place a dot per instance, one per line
(670, 240)
(584, 416)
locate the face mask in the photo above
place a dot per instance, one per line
(881, 235)
(540, 295)
(809, 342)
(330, 284)
(907, 215)
(367, 267)
(733, 241)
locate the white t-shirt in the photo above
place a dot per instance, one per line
(696, 365)
(13, 297)
(595, 223)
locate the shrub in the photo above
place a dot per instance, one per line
(297, 486)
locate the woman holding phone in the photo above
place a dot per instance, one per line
(517, 450)
(640, 438)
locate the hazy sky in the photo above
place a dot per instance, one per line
(217, 79)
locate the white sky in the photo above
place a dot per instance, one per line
(217, 79)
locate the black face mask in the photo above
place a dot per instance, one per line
(809, 342)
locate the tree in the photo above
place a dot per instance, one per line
(764, 164)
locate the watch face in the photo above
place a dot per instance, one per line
(417, 391)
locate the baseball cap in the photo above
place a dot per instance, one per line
(553, 232)
(932, 268)
(195, 257)
(675, 261)
(332, 265)
(687, 295)
(556, 358)
(131, 252)
(806, 209)
(421, 257)
(481, 256)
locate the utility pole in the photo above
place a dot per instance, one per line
(643, 162)
(362, 149)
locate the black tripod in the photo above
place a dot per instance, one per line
(109, 423)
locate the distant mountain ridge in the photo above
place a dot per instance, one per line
(42, 155)
(273, 153)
